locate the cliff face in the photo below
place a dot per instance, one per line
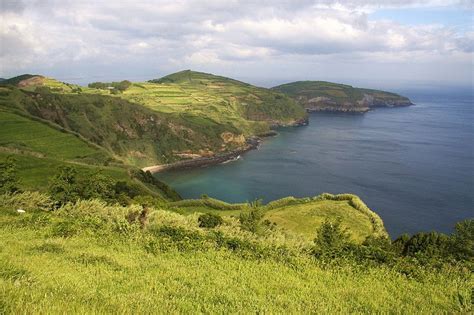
(326, 96)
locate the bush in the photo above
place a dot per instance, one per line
(463, 239)
(331, 236)
(250, 220)
(430, 244)
(64, 186)
(28, 200)
(209, 220)
(8, 176)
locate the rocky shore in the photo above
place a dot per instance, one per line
(251, 143)
(325, 105)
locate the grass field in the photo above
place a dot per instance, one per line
(38, 139)
(77, 261)
(303, 218)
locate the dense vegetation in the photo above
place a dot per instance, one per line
(154, 122)
(89, 256)
(327, 96)
(84, 231)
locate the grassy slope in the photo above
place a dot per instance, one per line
(106, 272)
(300, 217)
(39, 149)
(153, 123)
(128, 132)
(339, 96)
(303, 219)
(226, 95)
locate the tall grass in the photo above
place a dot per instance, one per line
(90, 257)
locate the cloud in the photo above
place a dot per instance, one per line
(48, 34)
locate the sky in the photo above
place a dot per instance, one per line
(360, 42)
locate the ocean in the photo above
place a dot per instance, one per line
(414, 165)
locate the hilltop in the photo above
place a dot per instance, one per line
(327, 96)
(151, 123)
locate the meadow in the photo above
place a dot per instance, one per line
(87, 258)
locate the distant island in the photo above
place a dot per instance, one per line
(316, 96)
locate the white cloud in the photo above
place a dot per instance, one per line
(46, 35)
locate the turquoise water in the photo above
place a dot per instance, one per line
(413, 166)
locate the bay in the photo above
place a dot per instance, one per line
(414, 166)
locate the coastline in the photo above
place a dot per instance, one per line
(251, 144)
(255, 141)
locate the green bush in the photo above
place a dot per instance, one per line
(463, 239)
(209, 220)
(9, 181)
(250, 220)
(430, 244)
(64, 186)
(28, 200)
(331, 236)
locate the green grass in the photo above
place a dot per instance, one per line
(35, 173)
(100, 270)
(303, 219)
(40, 149)
(299, 216)
(339, 96)
(36, 138)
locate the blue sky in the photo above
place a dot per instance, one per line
(458, 17)
(361, 42)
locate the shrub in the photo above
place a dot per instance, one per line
(64, 187)
(331, 236)
(250, 220)
(463, 239)
(209, 220)
(429, 244)
(97, 186)
(8, 176)
(28, 200)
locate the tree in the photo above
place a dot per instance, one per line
(429, 244)
(331, 236)
(97, 186)
(463, 239)
(64, 187)
(122, 85)
(209, 220)
(8, 176)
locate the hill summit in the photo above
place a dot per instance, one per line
(327, 96)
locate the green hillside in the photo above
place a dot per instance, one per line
(90, 257)
(155, 123)
(299, 216)
(327, 96)
(39, 147)
(228, 95)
